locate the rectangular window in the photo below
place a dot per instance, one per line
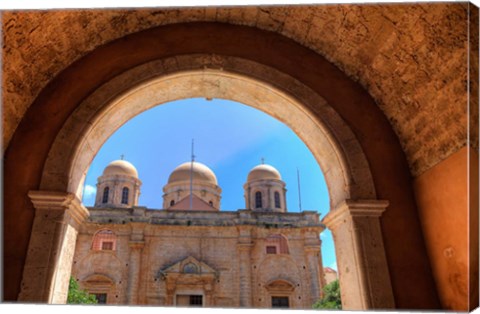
(101, 298)
(107, 246)
(280, 302)
(277, 200)
(258, 199)
(271, 249)
(196, 300)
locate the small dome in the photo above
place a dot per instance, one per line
(120, 167)
(201, 173)
(263, 172)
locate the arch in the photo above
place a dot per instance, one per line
(339, 110)
(106, 191)
(125, 194)
(100, 285)
(258, 199)
(342, 178)
(276, 195)
(104, 240)
(279, 241)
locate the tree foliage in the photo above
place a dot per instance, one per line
(331, 297)
(78, 296)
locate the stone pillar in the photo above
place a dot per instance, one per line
(312, 251)
(321, 273)
(362, 264)
(136, 245)
(269, 198)
(244, 247)
(48, 265)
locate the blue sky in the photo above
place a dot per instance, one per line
(230, 138)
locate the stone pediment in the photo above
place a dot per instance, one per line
(190, 266)
(279, 285)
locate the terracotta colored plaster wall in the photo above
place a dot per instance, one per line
(474, 161)
(473, 229)
(442, 196)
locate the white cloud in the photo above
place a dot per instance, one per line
(89, 191)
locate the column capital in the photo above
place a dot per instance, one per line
(354, 208)
(54, 200)
(136, 245)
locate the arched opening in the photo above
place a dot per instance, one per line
(104, 240)
(125, 192)
(258, 199)
(337, 165)
(106, 191)
(328, 135)
(276, 244)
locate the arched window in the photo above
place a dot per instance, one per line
(125, 191)
(276, 244)
(277, 200)
(210, 203)
(258, 199)
(104, 240)
(172, 202)
(105, 195)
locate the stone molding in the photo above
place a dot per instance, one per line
(241, 218)
(46, 274)
(362, 264)
(52, 200)
(356, 208)
(136, 245)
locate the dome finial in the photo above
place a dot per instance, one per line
(262, 160)
(122, 156)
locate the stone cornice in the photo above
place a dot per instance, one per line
(355, 208)
(205, 218)
(53, 200)
(136, 245)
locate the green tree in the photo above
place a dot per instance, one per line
(78, 296)
(331, 297)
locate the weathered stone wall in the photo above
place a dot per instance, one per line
(166, 244)
(411, 58)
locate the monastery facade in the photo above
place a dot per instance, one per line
(192, 254)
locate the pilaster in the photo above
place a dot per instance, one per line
(312, 251)
(48, 265)
(362, 264)
(136, 245)
(244, 247)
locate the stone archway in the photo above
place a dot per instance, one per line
(346, 170)
(338, 108)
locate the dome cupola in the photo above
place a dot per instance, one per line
(118, 186)
(120, 167)
(265, 190)
(200, 173)
(204, 187)
(263, 172)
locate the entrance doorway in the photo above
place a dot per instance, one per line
(192, 300)
(280, 302)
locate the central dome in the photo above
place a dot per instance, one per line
(201, 173)
(120, 167)
(263, 172)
